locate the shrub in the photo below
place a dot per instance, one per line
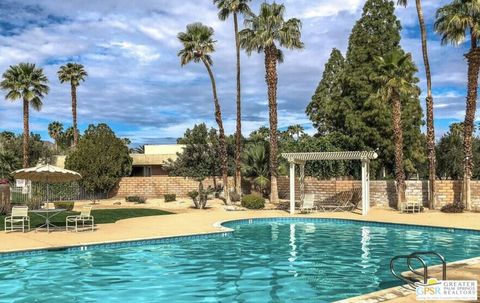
(68, 205)
(199, 200)
(253, 202)
(136, 199)
(234, 196)
(170, 197)
(101, 158)
(456, 207)
(193, 194)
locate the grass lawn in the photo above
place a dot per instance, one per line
(101, 216)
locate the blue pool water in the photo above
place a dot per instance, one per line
(262, 261)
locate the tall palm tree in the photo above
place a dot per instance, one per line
(428, 102)
(198, 44)
(227, 8)
(454, 22)
(28, 83)
(55, 131)
(73, 73)
(262, 34)
(394, 87)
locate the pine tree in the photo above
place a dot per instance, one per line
(325, 107)
(367, 115)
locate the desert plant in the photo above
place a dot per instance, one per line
(73, 73)
(101, 158)
(458, 22)
(170, 197)
(456, 207)
(65, 205)
(28, 83)
(136, 199)
(265, 32)
(227, 8)
(198, 44)
(199, 198)
(253, 201)
(234, 196)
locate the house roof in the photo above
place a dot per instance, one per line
(138, 159)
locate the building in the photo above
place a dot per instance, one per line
(151, 163)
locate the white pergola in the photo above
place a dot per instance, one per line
(301, 158)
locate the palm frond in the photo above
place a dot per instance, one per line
(197, 43)
(25, 81)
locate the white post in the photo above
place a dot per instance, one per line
(364, 189)
(367, 189)
(302, 182)
(292, 187)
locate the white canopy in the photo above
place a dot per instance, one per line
(46, 173)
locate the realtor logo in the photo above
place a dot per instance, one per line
(448, 290)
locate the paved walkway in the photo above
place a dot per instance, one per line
(193, 221)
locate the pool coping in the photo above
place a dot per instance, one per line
(402, 291)
(223, 231)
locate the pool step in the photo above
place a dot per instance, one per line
(417, 277)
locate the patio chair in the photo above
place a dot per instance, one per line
(411, 207)
(341, 202)
(85, 218)
(308, 203)
(18, 216)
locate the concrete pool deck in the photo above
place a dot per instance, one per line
(192, 221)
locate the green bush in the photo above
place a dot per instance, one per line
(101, 158)
(456, 207)
(170, 197)
(253, 201)
(136, 199)
(193, 194)
(68, 205)
(234, 196)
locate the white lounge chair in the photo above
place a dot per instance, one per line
(85, 218)
(308, 203)
(18, 216)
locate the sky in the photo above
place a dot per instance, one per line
(137, 86)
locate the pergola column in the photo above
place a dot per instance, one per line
(365, 186)
(302, 182)
(292, 187)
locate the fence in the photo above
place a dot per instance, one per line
(36, 193)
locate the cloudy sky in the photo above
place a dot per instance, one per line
(138, 87)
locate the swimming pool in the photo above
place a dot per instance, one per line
(267, 260)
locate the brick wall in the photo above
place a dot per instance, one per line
(157, 186)
(382, 193)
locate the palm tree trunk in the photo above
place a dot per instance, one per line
(429, 105)
(74, 114)
(272, 79)
(473, 58)
(221, 137)
(26, 134)
(238, 134)
(398, 140)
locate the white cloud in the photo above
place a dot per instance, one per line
(142, 53)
